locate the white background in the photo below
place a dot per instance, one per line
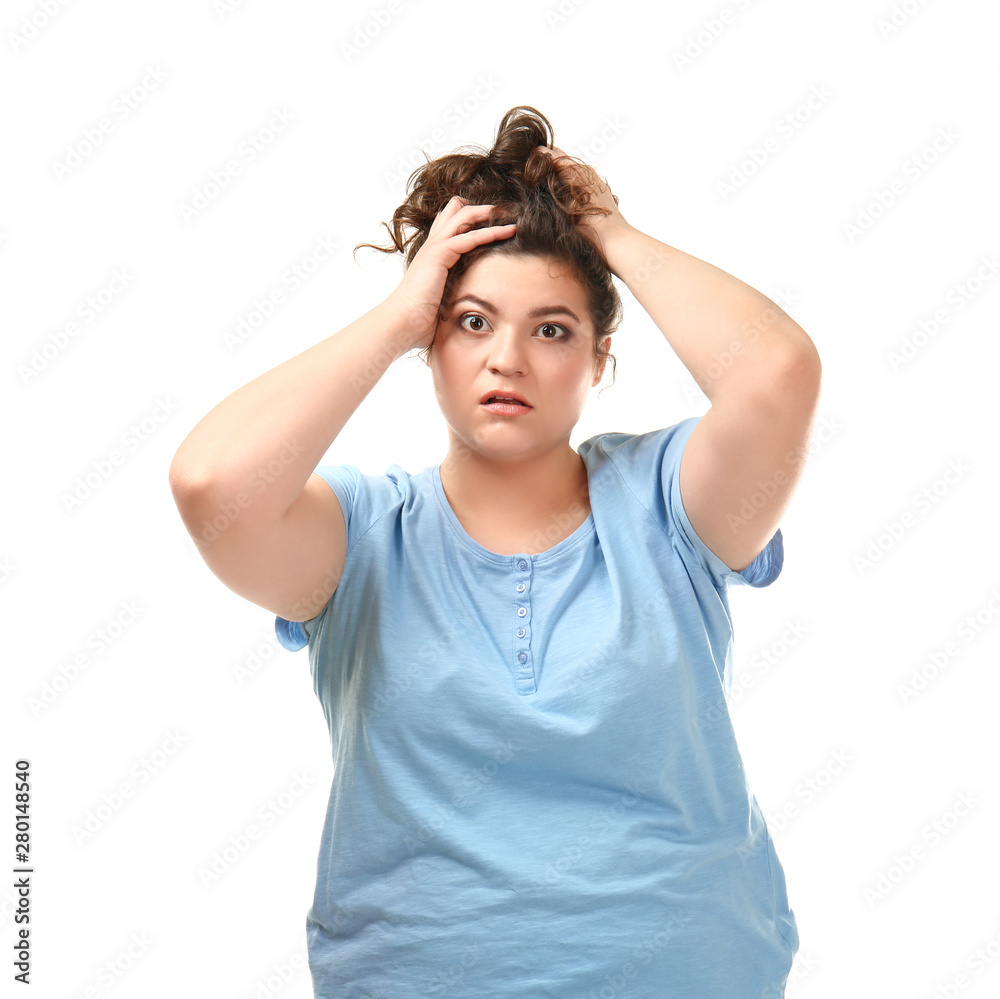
(196, 709)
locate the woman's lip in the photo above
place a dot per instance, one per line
(490, 398)
(506, 408)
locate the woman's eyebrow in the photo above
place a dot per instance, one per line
(542, 310)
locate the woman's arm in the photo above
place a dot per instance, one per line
(268, 436)
(761, 373)
(243, 477)
(759, 369)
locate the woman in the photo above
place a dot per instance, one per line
(523, 653)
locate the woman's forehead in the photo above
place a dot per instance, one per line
(532, 276)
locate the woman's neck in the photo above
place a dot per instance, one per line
(516, 497)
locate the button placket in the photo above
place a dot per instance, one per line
(524, 672)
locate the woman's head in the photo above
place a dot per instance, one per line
(535, 344)
(525, 187)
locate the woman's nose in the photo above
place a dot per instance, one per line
(506, 352)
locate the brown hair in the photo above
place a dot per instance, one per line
(524, 186)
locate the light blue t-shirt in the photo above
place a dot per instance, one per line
(537, 790)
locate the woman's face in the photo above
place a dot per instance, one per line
(528, 331)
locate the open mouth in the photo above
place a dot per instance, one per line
(505, 400)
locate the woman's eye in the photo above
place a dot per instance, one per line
(554, 326)
(471, 317)
(548, 331)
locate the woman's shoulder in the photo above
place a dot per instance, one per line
(622, 448)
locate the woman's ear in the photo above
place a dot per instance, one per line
(601, 362)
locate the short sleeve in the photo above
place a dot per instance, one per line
(637, 458)
(762, 571)
(345, 481)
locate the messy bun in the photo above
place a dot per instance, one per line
(524, 186)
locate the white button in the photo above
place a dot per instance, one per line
(520, 587)
(520, 632)
(521, 612)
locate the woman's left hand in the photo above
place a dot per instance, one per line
(596, 228)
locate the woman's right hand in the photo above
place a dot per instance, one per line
(418, 295)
